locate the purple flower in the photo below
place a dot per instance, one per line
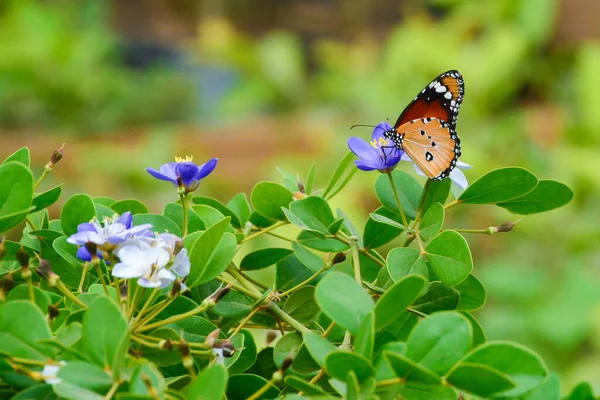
(380, 154)
(115, 231)
(184, 172)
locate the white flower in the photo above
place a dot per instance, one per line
(152, 261)
(50, 372)
(456, 175)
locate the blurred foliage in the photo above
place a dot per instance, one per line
(530, 100)
(60, 70)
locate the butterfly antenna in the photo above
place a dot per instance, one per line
(369, 126)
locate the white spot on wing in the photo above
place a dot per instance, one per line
(448, 95)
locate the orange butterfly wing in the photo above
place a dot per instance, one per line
(432, 144)
(440, 99)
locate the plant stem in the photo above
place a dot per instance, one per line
(364, 252)
(154, 311)
(41, 178)
(487, 231)
(452, 204)
(238, 287)
(201, 308)
(112, 390)
(264, 230)
(262, 390)
(135, 300)
(307, 281)
(355, 261)
(147, 304)
(279, 237)
(404, 221)
(83, 275)
(65, 290)
(30, 288)
(389, 382)
(244, 321)
(417, 312)
(96, 263)
(252, 280)
(274, 308)
(328, 330)
(184, 205)
(242, 279)
(314, 380)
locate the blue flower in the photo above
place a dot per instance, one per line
(184, 172)
(372, 156)
(116, 230)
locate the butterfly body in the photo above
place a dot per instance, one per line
(426, 129)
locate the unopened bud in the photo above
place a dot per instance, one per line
(166, 344)
(92, 248)
(219, 294)
(338, 258)
(44, 269)
(2, 249)
(56, 156)
(6, 284)
(277, 376)
(287, 362)
(176, 289)
(23, 258)
(299, 195)
(506, 227)
(178, 247)
(52, 311)
(212, 337)
(25, 273)
(271, 335)
(150, 387)
(123, 291)
(301, 187)
(184, 348)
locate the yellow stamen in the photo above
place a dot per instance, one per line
(382, 142)
(186, 159)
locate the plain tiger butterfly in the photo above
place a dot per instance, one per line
(426, 129)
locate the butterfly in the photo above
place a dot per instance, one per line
(426, 129)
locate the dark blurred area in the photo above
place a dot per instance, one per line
(266, 83)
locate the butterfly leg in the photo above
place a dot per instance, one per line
(385, 155)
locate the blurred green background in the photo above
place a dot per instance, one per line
(266, 83)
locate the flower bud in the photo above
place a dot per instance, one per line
(2, 249)
(6, 284)
(176, 289)
(184, 348)
(271, 336)
(123, 291)
(226, 346)
(166, 344)
(212, 337)
(338, 258)
(301, 187)
(52, 311)
(506, 227)
(23, 258)
(44, 269)
(299, 195)
(219, 294)
(287, 362)
(56, 156)
(92, 248)
(178, 247)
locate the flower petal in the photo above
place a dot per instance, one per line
(86, 226)
(462, 165)
(147, 283)
(169, 170)
(181, 265)
(84, 254)
(124, 270)
(160, 176)
(459, 178)
(366, 166)
(206, 168)
(362, 149)
(188, 172)
(83, 237)
(126, 219)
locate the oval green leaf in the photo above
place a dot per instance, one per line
(546, 196)
(78, 209)
(268, 198)
(449, 257)
(263, 258)
(499, 185)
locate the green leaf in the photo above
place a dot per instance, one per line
(499, 185)
(546, 196)
(404, 261)
(245, 385)
(432, 222)
(222, 208)
(103, 200)
(478, 333)
(318, 347)
(247, 355)
(22, 327)
(259, 221)
(472, 294)
(404, 367)
(521, 365)
(301, 304)
(174, 211)
(339, 363)
(289, 272)
(314, 212)
(233, 305)
(46, 199)
(21, 292)
(409, 192)
(39, 391)
(21, 156)
(449, 257)
(332, 294)
(335, 226)
(394, 301)
(104, 212)
(103, 329)
(550, 390)
(240, 207)
(438, 297)
(64, 261)
(365, 338)
(211, 254)
(78, 209)
(294, 219)
(160, 223)
(268, 198)
(382, 227)
(146, 373)
(288, 345)
(480, 379)
(439, 341)
(263, 258)
(210, 216)
(300, 384)
(85, 375)
(327, 245)
(210, 384)
(583, 391)
(308, 258)
(419, 391)
(339, 172)
(437, 192)
(132, 205)
(72, 391)
(16, 195)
